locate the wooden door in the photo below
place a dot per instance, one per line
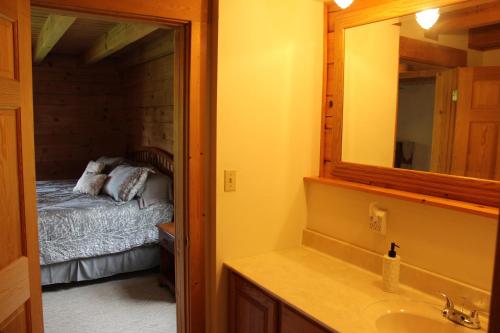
(20, 291)
(444, 121)
(250, 309)
(476, 149)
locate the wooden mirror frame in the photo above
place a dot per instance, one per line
(471, 190)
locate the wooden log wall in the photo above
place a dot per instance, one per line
(86, 111)
(147, 85)
(77, 112)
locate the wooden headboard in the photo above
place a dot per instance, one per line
(159, 158)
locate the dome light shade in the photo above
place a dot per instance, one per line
(343, 3)
(427, 18)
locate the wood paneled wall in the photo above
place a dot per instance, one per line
(77, 112)
(147, 86)
(86, 111)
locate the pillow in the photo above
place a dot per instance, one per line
(110, 162)
(158, 188)
(94, 167)
(90, 183)
(125, 181)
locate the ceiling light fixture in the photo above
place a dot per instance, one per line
(343, 3)
(427, 18)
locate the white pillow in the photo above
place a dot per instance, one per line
(110, 162)
(158, 188)
(125, 181)
(94, 167)
(90, 183)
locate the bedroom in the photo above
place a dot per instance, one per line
(104, 114)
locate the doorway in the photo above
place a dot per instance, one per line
(104, 111)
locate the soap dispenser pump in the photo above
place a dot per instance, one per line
(390, 269)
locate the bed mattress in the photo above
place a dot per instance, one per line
(73, 226)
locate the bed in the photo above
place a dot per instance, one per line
(84, 237)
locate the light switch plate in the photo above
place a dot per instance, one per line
(229, 180)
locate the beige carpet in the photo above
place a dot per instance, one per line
(129, 303)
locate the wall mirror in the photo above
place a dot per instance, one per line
(419, 109)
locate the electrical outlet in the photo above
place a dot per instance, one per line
(377, 219)
(229, 180)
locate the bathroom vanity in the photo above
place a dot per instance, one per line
(254, 310)
(304, 290)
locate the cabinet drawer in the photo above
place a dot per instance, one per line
(293, 322)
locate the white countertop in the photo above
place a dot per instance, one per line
(326, 289)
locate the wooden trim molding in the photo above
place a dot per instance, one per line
(429, 53)
(430, 200)
(456, 190)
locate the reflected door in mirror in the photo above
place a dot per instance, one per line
(476, 145)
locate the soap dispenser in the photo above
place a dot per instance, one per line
(390, 269)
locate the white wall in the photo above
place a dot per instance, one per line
(370, 93)
(457, 245)
(268, 124)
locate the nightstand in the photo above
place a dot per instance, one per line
(167, 247)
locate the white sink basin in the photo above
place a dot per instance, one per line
(408, 316)
(409, 323)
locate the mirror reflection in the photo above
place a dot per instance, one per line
(425, 99)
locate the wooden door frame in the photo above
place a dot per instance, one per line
(191, 88)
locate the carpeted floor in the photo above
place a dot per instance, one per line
(128, 303)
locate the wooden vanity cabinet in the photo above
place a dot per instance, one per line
(251, 310)
(293, 322)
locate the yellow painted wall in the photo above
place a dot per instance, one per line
(457, 245)
(270, 67)
(370, 93)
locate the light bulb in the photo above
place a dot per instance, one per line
(343, 3)
(427, 18)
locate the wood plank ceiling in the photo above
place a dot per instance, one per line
(86, 35)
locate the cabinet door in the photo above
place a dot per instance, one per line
(293, 322)
(250, 309)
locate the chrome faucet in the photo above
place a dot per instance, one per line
(456, 316)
